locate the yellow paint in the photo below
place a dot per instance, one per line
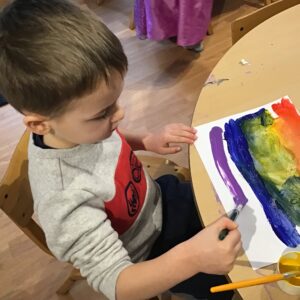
(290, 262)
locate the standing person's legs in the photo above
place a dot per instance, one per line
(193, 23)
(181, 222)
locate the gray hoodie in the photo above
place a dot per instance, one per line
(98, 207)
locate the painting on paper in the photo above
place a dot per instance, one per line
(253, 158)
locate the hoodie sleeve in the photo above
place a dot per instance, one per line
(81, 234)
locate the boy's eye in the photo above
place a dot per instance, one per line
(102, 116)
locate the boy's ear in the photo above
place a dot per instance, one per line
(37, 124)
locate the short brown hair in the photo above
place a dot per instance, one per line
(52, 51)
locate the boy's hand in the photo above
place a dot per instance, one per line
(210, 255)
(159, 142)
(202, 253)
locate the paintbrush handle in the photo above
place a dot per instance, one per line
(246, 283)
(232, 217)
(223, 234)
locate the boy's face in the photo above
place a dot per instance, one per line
(88, 119)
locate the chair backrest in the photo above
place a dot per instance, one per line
(15, 195)
(244, 24)
(157, 166)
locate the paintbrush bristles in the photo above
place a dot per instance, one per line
(291, 274)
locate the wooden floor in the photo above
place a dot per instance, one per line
(162, 86)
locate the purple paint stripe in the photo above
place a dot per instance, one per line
(220, 159)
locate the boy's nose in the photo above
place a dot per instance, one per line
(118, 115)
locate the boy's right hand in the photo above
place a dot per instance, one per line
(209, 254)
(204, 252)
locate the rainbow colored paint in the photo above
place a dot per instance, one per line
(266, 151)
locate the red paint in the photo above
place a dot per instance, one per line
(287, 126)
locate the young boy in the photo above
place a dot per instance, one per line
(131, 237)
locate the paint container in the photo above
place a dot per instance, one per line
(290, 261)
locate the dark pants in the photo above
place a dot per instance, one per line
(2, 100)
(181, 222)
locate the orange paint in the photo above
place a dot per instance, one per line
(287, 126)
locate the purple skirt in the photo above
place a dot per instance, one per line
(188, 20)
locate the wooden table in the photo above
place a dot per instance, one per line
(273, 52)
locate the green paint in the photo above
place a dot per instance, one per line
(275, 164)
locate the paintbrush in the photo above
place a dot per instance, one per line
(255, 281)
(233, 215)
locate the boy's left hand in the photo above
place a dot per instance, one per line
(159, 142)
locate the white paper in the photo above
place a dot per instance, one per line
(260, 243)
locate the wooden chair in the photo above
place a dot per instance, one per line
(17, 203)
(244, 24)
